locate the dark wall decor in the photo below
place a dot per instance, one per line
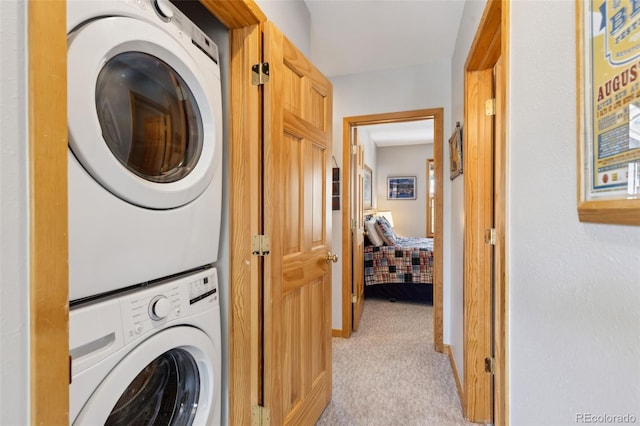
(455, 152)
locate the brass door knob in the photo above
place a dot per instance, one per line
(332, 258)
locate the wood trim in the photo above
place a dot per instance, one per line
(478, 208)
(486, 46)
(500, 252)
(620, 212)
(393, 117)
(438, 240)
(490, 47)
(347, 248)
(336, 333)
(243, 17)
(501, 297)
(235, 13)
(48, 252)
(454, 369)
(245, 203)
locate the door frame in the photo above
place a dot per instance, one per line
(49, 365)
(490, 46)
(348, 123)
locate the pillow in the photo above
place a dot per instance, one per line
(372, 233)
(386, 231)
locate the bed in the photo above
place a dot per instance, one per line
(397, 268)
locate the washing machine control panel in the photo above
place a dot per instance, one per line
(160, 305)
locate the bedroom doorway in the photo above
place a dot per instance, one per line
(348, 229)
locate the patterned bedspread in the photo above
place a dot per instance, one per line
(409, 261)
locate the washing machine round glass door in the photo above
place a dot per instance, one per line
(170, 379)
(144, 112)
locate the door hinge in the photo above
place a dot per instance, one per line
(70, 369)
(354, 298)
(260, 416)
(490, 236)
(490, 106)
(260, 73)
(354, 149)
(490, 365)
(260, 245)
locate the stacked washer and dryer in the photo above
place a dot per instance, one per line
(145, 181)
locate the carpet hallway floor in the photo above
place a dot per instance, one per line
(387, 373)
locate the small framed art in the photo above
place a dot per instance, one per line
(401, 188)
(366, 190)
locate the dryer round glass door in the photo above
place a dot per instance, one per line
(149, 118)
(144, 111)
(172, 378)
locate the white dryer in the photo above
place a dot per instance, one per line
(145, 144)
(149, 356)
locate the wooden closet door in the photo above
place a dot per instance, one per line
(297, 218)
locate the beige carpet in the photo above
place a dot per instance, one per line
(387, 373)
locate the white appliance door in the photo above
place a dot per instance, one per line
(142, 112)
(171, 378)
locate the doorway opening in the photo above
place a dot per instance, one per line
(349, 124)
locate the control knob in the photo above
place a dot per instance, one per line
(164, 9)
(159, 308)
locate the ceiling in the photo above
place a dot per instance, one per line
(361, 36)
(355, 36)
(394, 134)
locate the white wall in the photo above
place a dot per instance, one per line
(409, 216)
(292, 18)
(403, 89)
(453, 246)
(574, 288)
(14, 276)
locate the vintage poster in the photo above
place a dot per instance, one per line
(612, 30)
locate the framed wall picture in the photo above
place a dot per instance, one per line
(608, 112)
(401, 188)
(367, 188)
(455, 152)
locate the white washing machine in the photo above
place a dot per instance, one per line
(145, 144)
(149, 356)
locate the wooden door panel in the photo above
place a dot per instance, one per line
(292, 390)
(298, 126)
(318, 107)
(317, 188)
(305, 366)
(292, 187)
(298, 271)
(318, 329)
